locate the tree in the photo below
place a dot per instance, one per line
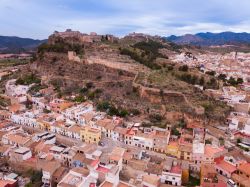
(222, 77)
(134, 111)
(202, 81)
(89, 85)
(170, 68)
(222, 141)
(232, 81)
(123, 113)
(239, 81)
(183, 68)
(213, 83)
(194, 79)
(154, 118)
(79, 99)
(175, 132)
(182, 123)
(212, 73)
(35, 178)
(238, 140)
(103, 106)
(83, 90)
(208, 141)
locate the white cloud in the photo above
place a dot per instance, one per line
(38, 19)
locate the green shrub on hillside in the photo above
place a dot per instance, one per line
(28, 79)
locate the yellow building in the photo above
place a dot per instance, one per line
(172, 149)
(44, 125)
(185, 152)
(90, 135)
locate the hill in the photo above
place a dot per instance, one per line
(13, 44)
(210, 39)
(133, 74)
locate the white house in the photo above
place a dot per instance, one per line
(78, 177)
(57, 151)
(48, 138)
(48, 169)
(198, 154)
(246, 129)
(21, 154)
(25, 119)
(233, 125)
(74, 132)
(15, 90)
(143, 141)
(172, 173)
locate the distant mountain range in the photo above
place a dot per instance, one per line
(209, 39)
(13, 44)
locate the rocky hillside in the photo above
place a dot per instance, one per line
(105, 68)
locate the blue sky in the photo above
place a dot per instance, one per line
(39, 18)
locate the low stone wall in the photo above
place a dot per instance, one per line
(159, 96)
(130, 67)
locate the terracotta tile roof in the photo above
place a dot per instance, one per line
(88, 116)
(110, 126)
(18, 138)
(186, 148)
(226, 166)
(4, 148)
(117, 153)
(211, 151)
(51, 166)
(83, 171)
(104, 122)
(5, 113)
(127, 156)
(176, 169)
(75, 129)
(94, 163)
(121, 130)
(6, 182)
(154, 168)
(245, 168)
(207, 169)
(60, 172)
(102, 169)
(151, 179)
(80, 157)
(16, 107)
(106, 184)
(123, 184)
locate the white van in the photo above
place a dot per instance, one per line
(231, 183)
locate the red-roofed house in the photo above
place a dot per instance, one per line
(224, 168)
(212, 152)
(8, 183)
(172, 172)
